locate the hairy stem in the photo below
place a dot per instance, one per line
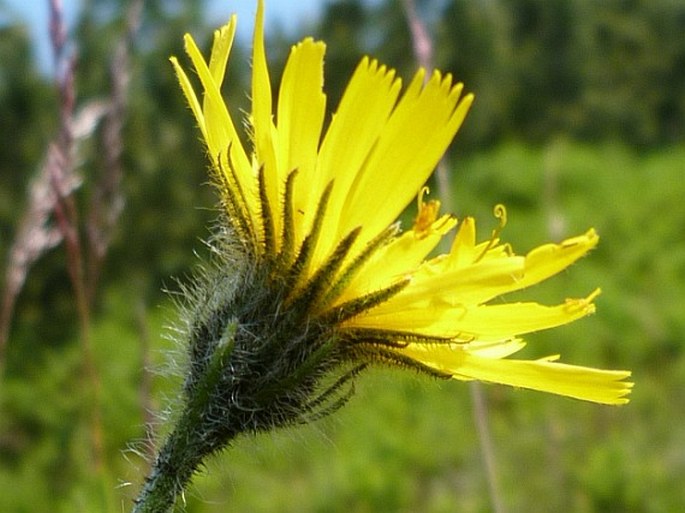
(195, 436)
(173, 469)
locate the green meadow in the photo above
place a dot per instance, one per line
(406, 442)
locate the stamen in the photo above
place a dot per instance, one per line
(426, 215)
(500, 213)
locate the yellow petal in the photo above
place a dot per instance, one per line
(261, 85)
(545, 375)
(493, 349)
(429, 308)
(463, 286)
(190, 95)
(412, 319)
(218, 119)
(410, 146)
(221, 49)
(396, 260)
(264, 136)
(491, 321)
(550, 259)
(481, 322)
(463, 248)
(301, 110)
(362, 114)
(488, 322)
(220, 129)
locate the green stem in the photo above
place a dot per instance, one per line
(172, 471)
(193, 439)
(487, 449)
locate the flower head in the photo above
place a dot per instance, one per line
(323, 277)
(313, 278)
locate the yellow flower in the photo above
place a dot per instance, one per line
(315, 214)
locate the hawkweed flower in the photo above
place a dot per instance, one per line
(313, 279)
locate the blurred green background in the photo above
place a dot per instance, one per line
(578, 122)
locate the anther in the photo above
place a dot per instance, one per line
(426, 215)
